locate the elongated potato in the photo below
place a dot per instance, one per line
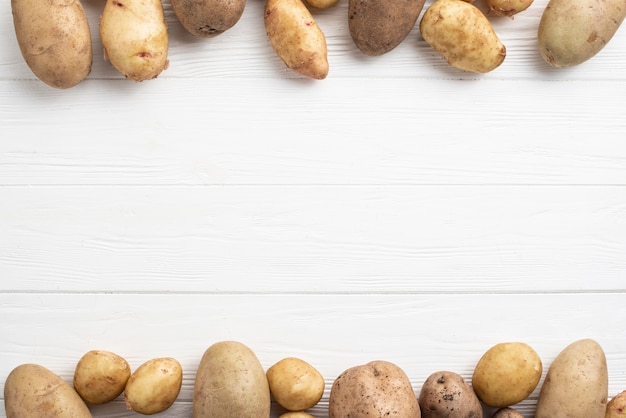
(572, 32)
(208, 18)
(54, 39)
(296, 37)
(134, 37)
(154, 386)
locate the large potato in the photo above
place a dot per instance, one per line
(32, 390)
(576, 385)
(134, 37)
(378, 26)
(54, 39)
(463, 35)
(446, 394)
(230, 382)
(572, 32)
(100, 376)
(375, 389)
(208, 18)
(296, 37)
(616, 408)
(295, 384)
(154, 386)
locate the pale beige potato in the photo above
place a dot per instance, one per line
(446, 394)
(54, 39)
(507, 413)
(508, 7)
(295, 384)
(296, 37)
(208, 18)
(32, 390)
(616, 408)
(375, 389)
(463, 35)
(230, 382)
(506, 374)
(576, 385)
(100, 376)
(154, 386)
(296, 414)
(322, 4)
(134, 37)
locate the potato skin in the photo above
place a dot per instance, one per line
(322, 4)
(576, 385)
(616, 408)
(507, 413)
(54, 39)
(295, 384)
(154, 386)
(446, 394)
(508, 7)
(100, 376)
(32, 390)
(375, 389)
(572, 32)
(208, 18)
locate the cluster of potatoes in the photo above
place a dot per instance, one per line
(231, 382)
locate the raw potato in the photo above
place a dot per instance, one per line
(100, 376)
(376, 389)
(296, 37)
(54, 39)
(572, 32)
(616, 408)
(154, 386)
(378, 26)
(576, 385)
(32, 390)
(134, 37)
(296, 414)
(446, 394)
(230, 382)
(508, 7)
(295, 384)
(463, 35)
(208, 18)
(506, 374)
(507, 413)
(322, 4)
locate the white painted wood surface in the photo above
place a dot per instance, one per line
(397, 210)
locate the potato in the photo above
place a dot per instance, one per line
(32, 390)
(507, 413)
(154, 386)
(296, 414)
(134, 37)
(463, 35)
(378, 26)
(100, 376)
(54, 40)
(616, 408)
(295, 384)
(321, 4)
(446, 394)
(508, 7)
(506, 374)
(208, 18)
(375, 389)
(296, 37)
(576, 385)
(572, 32)
(230, 382)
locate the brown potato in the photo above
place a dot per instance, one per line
(507, 413)
(208, 18)
(154, 386)
(296, 414)
(321, 4)
(295, 384)
(100, 376)
(508, 7)
(54, 40)
(616, 408)
(446, 394)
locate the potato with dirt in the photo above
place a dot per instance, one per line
(208, 18)
(446, 394)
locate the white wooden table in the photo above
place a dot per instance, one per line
(398, 210)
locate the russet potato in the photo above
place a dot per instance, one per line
(446, 394)
(208, 18)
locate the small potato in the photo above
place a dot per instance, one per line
(32, 390)
(572, 32)
(508, 8)
(295, 384)
(296, 37)
(322, 4)
(296, 414)
(616, 408)
(154, 386)
(507, 413)
(54, 40)
(506, 374)
(463, 35)
(208, 18)
(134, 37)
(100, 376)
(376, 389)
(576, 385)
(446, 394)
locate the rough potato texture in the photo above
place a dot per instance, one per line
(507, 413)
(100, 376)
(208, 18)
(54, 39)
(376, 389)
(446, 394)
(616, 408)
(154, 386)
(508, 7)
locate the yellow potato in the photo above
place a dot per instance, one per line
(507, 413)
(100, 376)
(322, 4)
(447, 394)
(295, 384)
(54, 40)
(296, 37)
(32, 390)
(134, 37)
(208, 18)
(463, 35)
(154, 386)
(616, 408)
(508, 7)
(296, 414)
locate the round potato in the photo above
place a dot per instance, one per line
(616, 408)
(322, 4)
(296, 414)
(508, 7)
(154, 386)
(100, 376)
(295, 384)
(54, 40)
(446, 394)
(507, 413)
(376, 389)
(208, 18)
(32, 390)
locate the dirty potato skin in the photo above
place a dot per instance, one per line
(378, 26)
(54, 39)
(507, 413)
(208, 18)
(508, 8)
(446, 394)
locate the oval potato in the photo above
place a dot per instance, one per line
(100, 376)
(295, 384)
(154, 386)
(616, 408)
(208, 18)
(322, 4)
(507, 413)
(296, 414)
(446, 394)
(508, 7)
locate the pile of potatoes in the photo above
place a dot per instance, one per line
(231, 382)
